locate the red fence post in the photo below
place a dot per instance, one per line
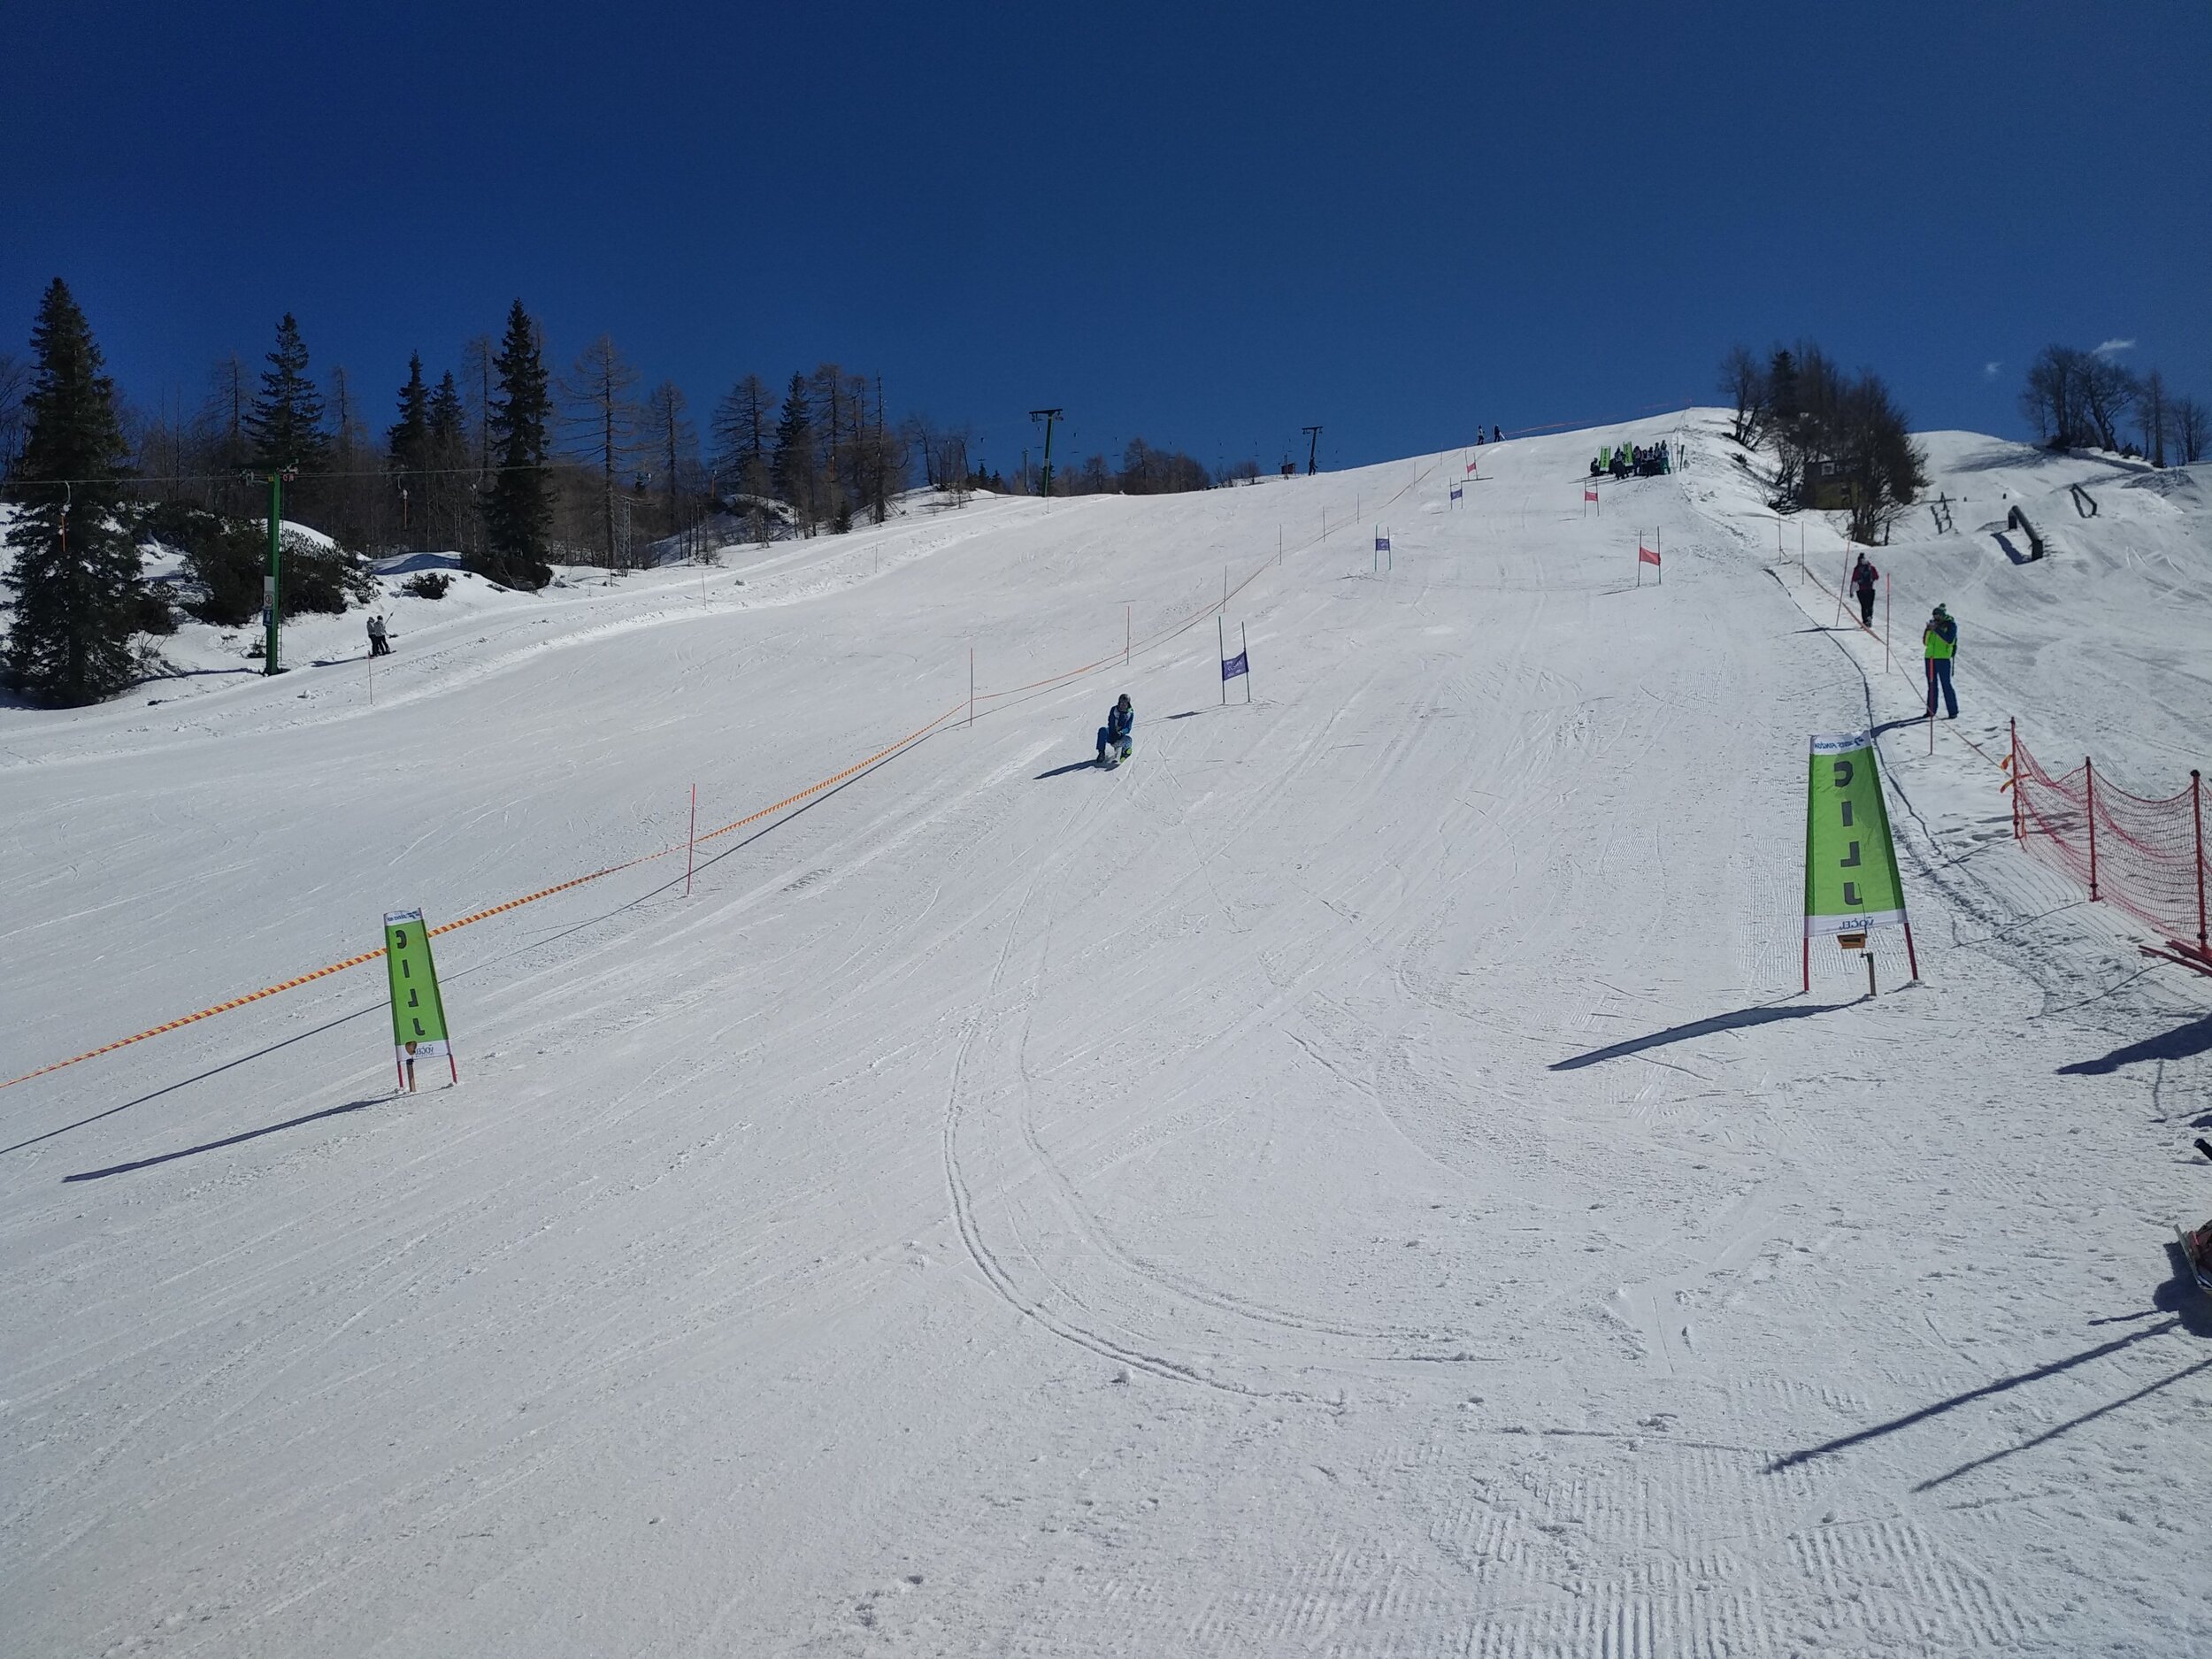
(2089, 795)
(2196, 811)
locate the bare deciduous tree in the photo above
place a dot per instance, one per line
(2151, 416)
(2108, 390)
(2076, 399)
(2052, 399)
(600, 416)
(675, 452)
(1744, 383)
(477, 370)
(744, 421)
(2192, 428)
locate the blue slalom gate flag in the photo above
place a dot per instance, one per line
(1457, 491)
(1382, 542)
(1232, 666)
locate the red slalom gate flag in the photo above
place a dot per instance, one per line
(1648, 554)
(1588, 494)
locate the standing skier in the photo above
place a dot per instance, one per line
(379, 642)
(1118, 733)
(1864, 576)
(1940, 641)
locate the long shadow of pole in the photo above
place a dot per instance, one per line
(1986, 1391)
(215, 1071)
(2071, 1423)
(1763, 1014)
(216, 1146)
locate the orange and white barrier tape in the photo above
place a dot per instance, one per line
(479, 915)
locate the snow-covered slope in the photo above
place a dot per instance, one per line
(1358, 1179)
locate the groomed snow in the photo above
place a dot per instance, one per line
(1359, 1179)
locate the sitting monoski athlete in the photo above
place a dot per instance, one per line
(1118, 732)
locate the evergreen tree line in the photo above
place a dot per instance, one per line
(2083, 400)
(500, 460)
(83, 619)
(608, 468)
(1836, 439)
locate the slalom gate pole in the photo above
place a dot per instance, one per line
(1244, 644)
(1809, 964)
(1846, 582)
(2196, 811)
(971, 685)
(691, 846)
(1912, 957)
(1886, 622)
(1221, 656)
(1128, 632)
(2019, 815)
(2089, 794)
(1659, 546)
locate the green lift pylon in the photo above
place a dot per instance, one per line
(272, 584)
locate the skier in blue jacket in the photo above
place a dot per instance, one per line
(1121, 724)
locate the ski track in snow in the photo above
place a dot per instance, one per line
(1358, 1179)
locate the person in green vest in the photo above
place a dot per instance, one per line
(1940, 643)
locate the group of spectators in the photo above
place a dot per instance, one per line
(1638, 460)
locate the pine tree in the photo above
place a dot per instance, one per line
(791, 468)
(518, 518)
(76, 573)
(408, 445)
(286, 422)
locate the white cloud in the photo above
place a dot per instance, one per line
(1989, 370)
(2112, 347)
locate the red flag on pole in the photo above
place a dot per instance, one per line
(1648, 554)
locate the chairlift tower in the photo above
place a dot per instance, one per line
(272, 597)
(1048, 416)
(1313, 449)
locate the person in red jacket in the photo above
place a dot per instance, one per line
(1863, 578)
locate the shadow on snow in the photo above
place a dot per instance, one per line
(1760, 1014)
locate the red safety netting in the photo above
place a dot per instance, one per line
(2146, 856)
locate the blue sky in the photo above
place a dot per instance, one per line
(1209, 226)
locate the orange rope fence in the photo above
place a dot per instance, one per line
(835, 779)
(479, 916)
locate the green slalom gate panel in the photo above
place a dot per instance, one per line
(417, 1012)
(1851, 881)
